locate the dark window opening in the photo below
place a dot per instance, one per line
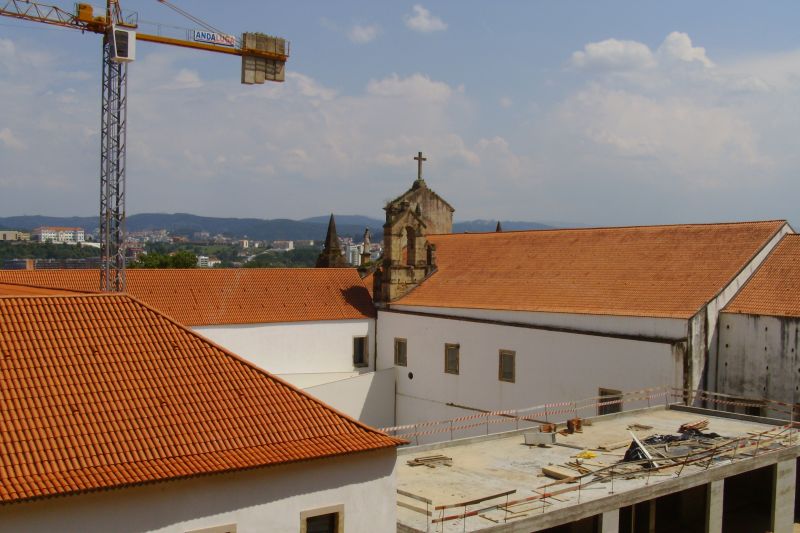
(359, 351)
(507, 366)
(610, 401)
(324, 523)
(451, 358)
(400, 352)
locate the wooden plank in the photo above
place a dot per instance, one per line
(608, 446)
(557, 472)
(414, 508)
(414, 497)
(473, 502)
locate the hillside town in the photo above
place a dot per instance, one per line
(425, 372)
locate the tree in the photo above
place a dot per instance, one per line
(179, 259)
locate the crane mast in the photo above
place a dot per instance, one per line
(263, 59)
(113, 135)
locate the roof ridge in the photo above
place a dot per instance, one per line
(635, 226)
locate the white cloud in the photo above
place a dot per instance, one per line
(614, 54)
(185, 79)
(310, 87)
(416, 87)
(362, 34)
(8, 139)
(677, 46)
(423, 21)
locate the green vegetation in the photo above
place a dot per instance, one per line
(179, 259)
(35, 250)
(301, 257)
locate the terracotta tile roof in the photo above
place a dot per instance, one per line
(8, 289)
(655, 271)
(199, 297)
(101, 391)
(775, 287)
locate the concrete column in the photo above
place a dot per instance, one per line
(609, 522)
(783, 486)
(651, 517)
(714, 499)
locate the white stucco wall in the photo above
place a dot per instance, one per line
(369, 398)
(550, 366)
(758, 358)
(265, 499)
(296, 347)
(668, 328)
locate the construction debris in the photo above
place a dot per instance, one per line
(431, 461)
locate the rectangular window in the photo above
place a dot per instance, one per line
(609, 395)
(507, 370)
(359, 351)
(400, 353)
(325, 520)
(324, 523)
(451, 358)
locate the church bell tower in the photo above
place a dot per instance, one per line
(408, 257)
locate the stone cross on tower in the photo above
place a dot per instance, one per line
(419, 159)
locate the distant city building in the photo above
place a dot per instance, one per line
(10, 235)
(132, 253)
(159, 235)
(58, 234)
(201, 235)
(204, 261)
(304, 243)
(283, 246)
(353, 254)
(244, 243)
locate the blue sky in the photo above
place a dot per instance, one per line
(595, 113)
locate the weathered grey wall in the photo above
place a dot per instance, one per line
(758, 357)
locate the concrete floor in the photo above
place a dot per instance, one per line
(495, 464)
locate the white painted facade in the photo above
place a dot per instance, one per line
(550, 366)
(320, 347)
(258, 500)
(758, 358)
(369, 398)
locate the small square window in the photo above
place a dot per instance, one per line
(507, 369)
(359, 351)
(613, 400)
(400, 352)
(451, 358)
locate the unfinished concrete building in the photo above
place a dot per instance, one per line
(669, 468)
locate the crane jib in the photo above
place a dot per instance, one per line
(212, 37)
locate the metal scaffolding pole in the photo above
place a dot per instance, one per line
(112, 171)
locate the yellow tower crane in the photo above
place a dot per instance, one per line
(263, 59)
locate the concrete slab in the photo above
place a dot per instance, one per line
(497, 464)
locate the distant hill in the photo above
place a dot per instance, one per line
(482, 226)
(254, 228)
(187, 224)
(348, 220)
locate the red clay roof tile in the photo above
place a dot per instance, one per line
(101, 391)
(774, 289)
(200, 297)
(654, 271)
